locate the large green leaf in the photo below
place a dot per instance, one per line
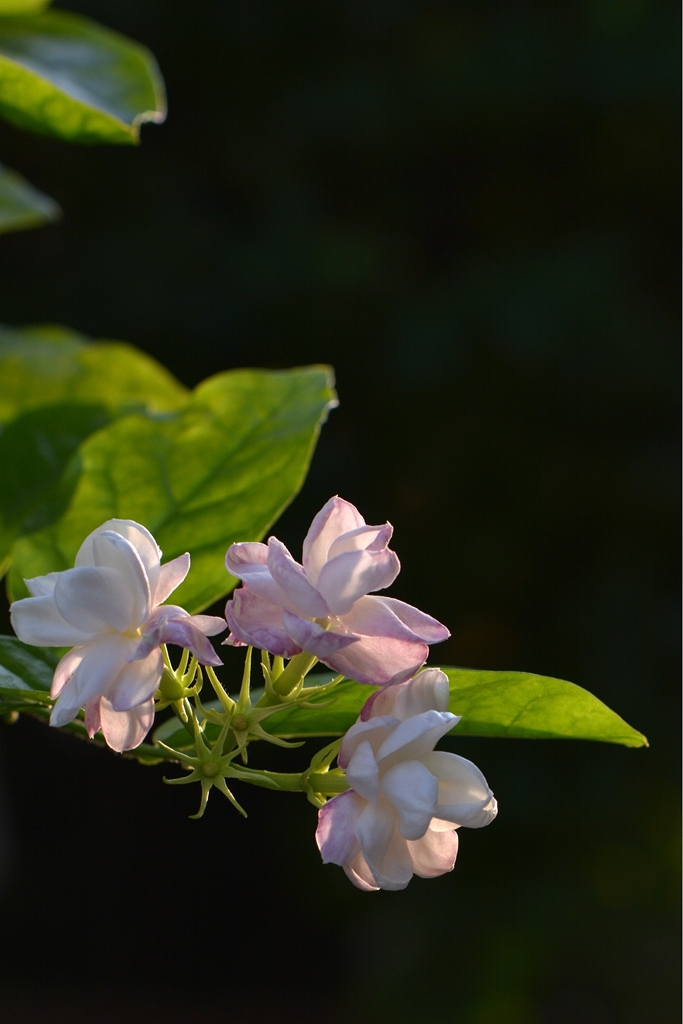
(49, 365)
(506, 704)
(22, 205)
(62, 74)
(11, 7)
(219, 471)
(25, 668)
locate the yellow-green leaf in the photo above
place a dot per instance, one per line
(23, 206)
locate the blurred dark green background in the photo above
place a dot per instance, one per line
(471, 210)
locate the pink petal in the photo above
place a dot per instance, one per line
(171, 575)
(311, 637)
(427, 691)
(363, 538)
(379, 661)
(335, 834)
(37, 621)
(136, 682)
(248, 562)
(434, 854)
(170, 624)
(92, 716)
(354, 574)
(259, 623)
(360, 874)
(335, 518)
(210, 625)
(412, 791)
(125, 730)
(291, 579)
(384, 616)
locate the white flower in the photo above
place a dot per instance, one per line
(107, 608)
(406, 799)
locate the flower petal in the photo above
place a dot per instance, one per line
(464, 794)
(362, 773)
(427, 691)
(92, 716)
(335, 833)
(375, 732)
(259, 623)
(355, 573)
(384, 849)
(66, 667)
(95, 674)
(379, 661)
(291, 579)
(415, 738)
(115, 552)
(413, 791)
(210, 625)
(37, 621)
(169, 624)
(93, 598)
(125, 730)
(311, 637)
(335, 518)
(171, 575)
(434, 854)
(248, 562)
(360, 874)
(136, 682)
(363, 538)
(41, 586)
(385, 616)
(137, 535)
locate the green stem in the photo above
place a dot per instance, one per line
(329, 783)
(297, 668)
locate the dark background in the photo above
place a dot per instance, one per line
(471, 211)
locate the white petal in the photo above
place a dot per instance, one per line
(102, 664)
(136, 682)
(37, 621)
(434, 854)
(94, 598)
(414, 738)
(427, 691)
(354, 574)
(375, 732)
(115, 552)
(40, 586)
(464, 794)
(141, 539)
(66, 667)
(125, 730)
(372, 538)
(384, 849)
(413, 791)
(335, 518)
(171, 575)
(362, 773)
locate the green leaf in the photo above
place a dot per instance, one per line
(64, 75)
(49, 365)
(526, 706)
(219, 471)
(509, 704)
(11, 7)
(22, 205)
(26, 668)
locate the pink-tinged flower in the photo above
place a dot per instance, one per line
(109, 609)
(406, 799)
(324, 606)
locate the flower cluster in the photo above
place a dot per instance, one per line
(406, 799)
(395, 802)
